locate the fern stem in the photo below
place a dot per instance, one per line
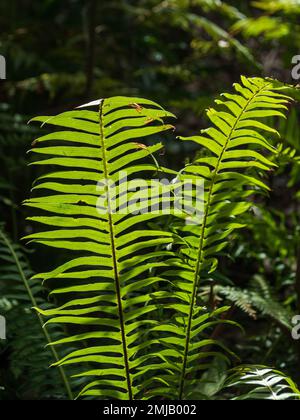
(34, 304)
(201, 244)
(115, 261)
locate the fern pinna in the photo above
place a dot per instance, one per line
(234, 144)
(98, 287)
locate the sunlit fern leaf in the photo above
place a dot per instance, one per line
(105, 289)
(257, 300)
(236, 147)
(262, 383)
(29, 359)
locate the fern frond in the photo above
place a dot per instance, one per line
(106, 289)
(236, 154)
(262, 383)
(258, 299)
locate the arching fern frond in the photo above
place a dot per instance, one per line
(106, 289)
(257, 300)
(236, 147)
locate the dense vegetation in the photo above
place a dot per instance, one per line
(162, 304)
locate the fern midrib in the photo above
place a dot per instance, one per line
(35, 305)
(114, 257)
(202, 235)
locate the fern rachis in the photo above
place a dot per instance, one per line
(255, 98)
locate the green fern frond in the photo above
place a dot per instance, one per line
(106, 289)
(262, 383)
(110, 288)
(237, 144)
(241, 298)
